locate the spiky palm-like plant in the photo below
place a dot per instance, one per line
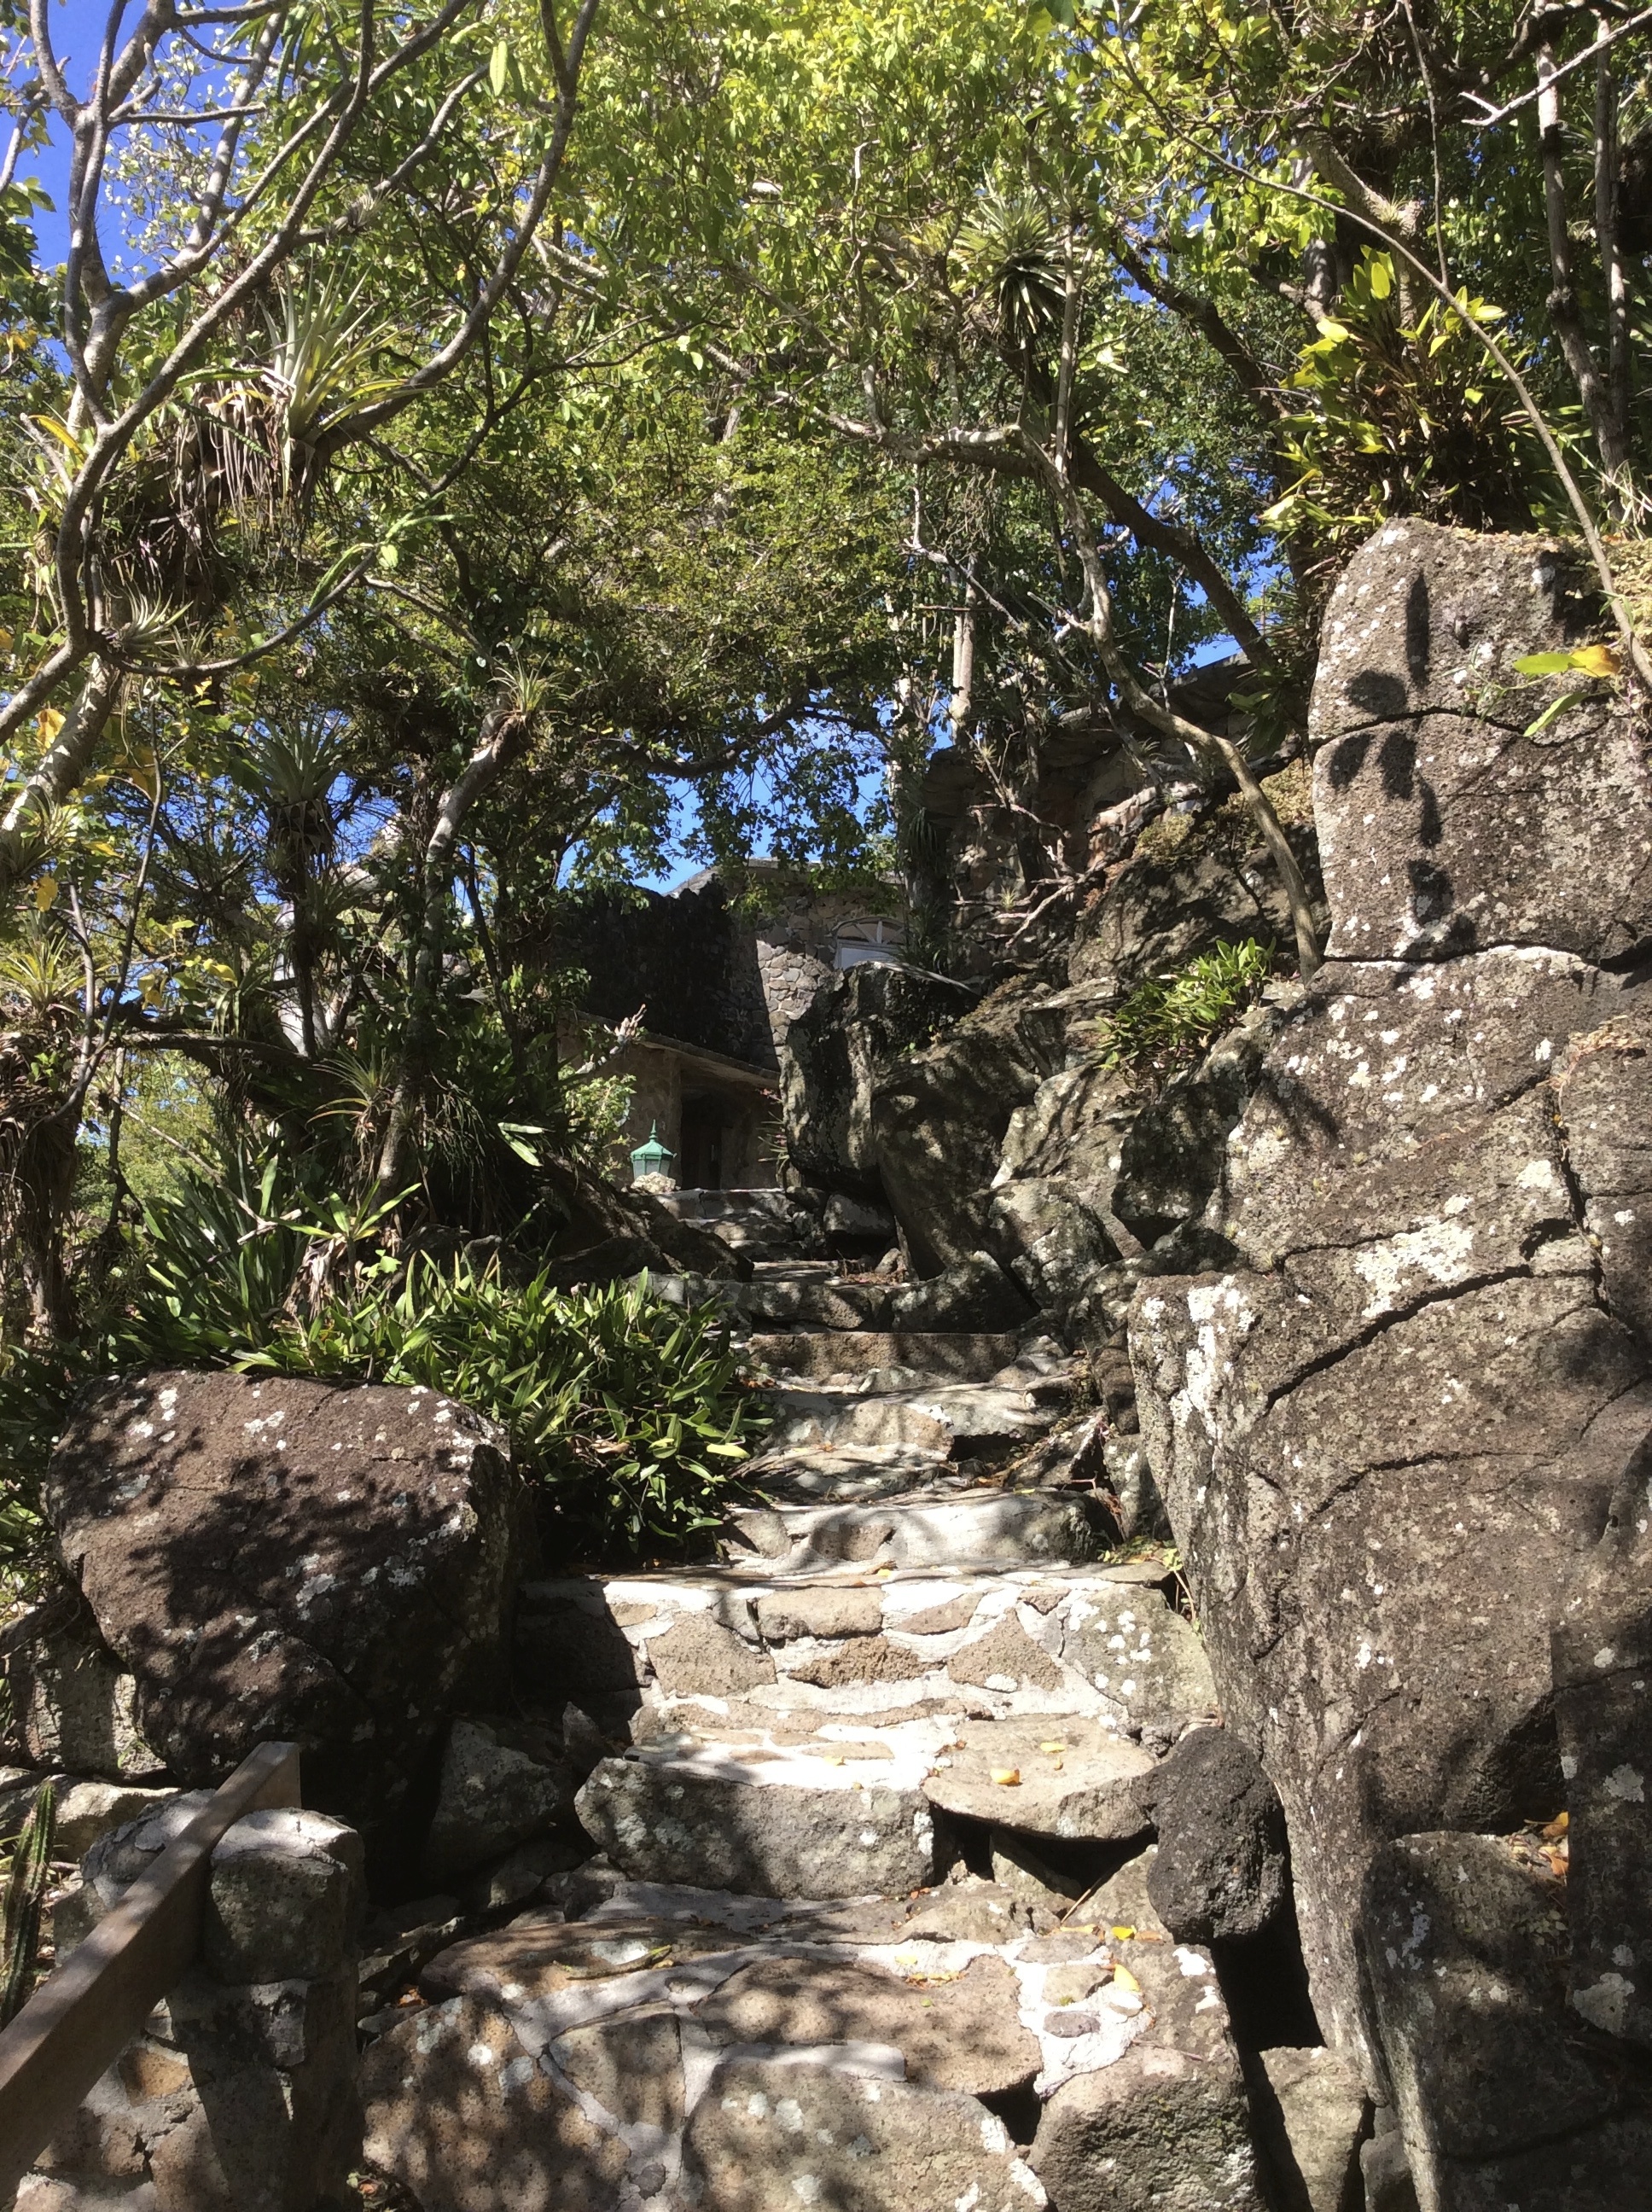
(21, 1906)
(321, 369)
(1007, 249)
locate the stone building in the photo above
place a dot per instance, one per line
(719, 980)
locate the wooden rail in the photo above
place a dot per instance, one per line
(85, 2013)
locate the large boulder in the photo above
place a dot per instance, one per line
(1448, 821)
(279, 1557)
(939, 1117)
(834, 1055)
(1394, 1436)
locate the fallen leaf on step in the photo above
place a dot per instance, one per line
(1121, 1935)
(1125, 1979)
(1051, 1748)
(1006, 1777)
(1557, 1827)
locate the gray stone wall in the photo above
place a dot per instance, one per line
(242, 2093)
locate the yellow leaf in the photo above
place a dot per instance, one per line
(1053, 1745)
(1596, 660)
(1006, 1778)
(5, 640)
(1121, 1935)
(1328, 329)
(51, 723)
(45, 890)
(60, 431)
(1124, 1980)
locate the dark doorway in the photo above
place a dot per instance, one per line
(702, 1145)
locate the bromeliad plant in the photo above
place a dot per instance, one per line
(1167, 1021)
(631, 1413)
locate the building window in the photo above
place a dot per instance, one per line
(872, 940)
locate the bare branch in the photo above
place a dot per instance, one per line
(1492, 116)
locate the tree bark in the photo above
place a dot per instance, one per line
(60, 769)
(1619, 356)
(1564, 312)
(502, 738)
(1140, 700)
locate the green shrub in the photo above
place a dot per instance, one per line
(632, 1414)
(219, 1257)
(1166, 1023)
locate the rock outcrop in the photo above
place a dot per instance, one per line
(1405, 1439)
(283, 1558)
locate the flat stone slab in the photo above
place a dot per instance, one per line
(684, 2046)
(961, 1356)
(791, 1824)
(1075, 1781)
(934, 1526)
(988, 1420)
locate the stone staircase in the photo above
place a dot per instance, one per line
(873, 1800)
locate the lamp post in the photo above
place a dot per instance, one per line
(652, 1162)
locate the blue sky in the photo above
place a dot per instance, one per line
(77, 32)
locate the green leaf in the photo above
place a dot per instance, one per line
(498, 67)
(1566, 699)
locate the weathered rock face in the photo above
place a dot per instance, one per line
(834, 1055)
(939, 1116)
(1503, 2093)
(1393, 1439)
(502, 1782)
(73, 1706)
(284, 1558)
(1444, 830)
(1188, 886)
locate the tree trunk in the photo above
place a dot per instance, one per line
(502, 736)
(60, 769)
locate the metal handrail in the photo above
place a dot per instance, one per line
(85, 2013)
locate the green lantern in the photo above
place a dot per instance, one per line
(652, 1158)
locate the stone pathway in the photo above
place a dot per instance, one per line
(870, 1927)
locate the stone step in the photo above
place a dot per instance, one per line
(849, 1810)
(960, 1357)
(784, 1296)
(775, 1658)
(680, 2046)
(938, 1526)
(758, 1223)
(990, 1421)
